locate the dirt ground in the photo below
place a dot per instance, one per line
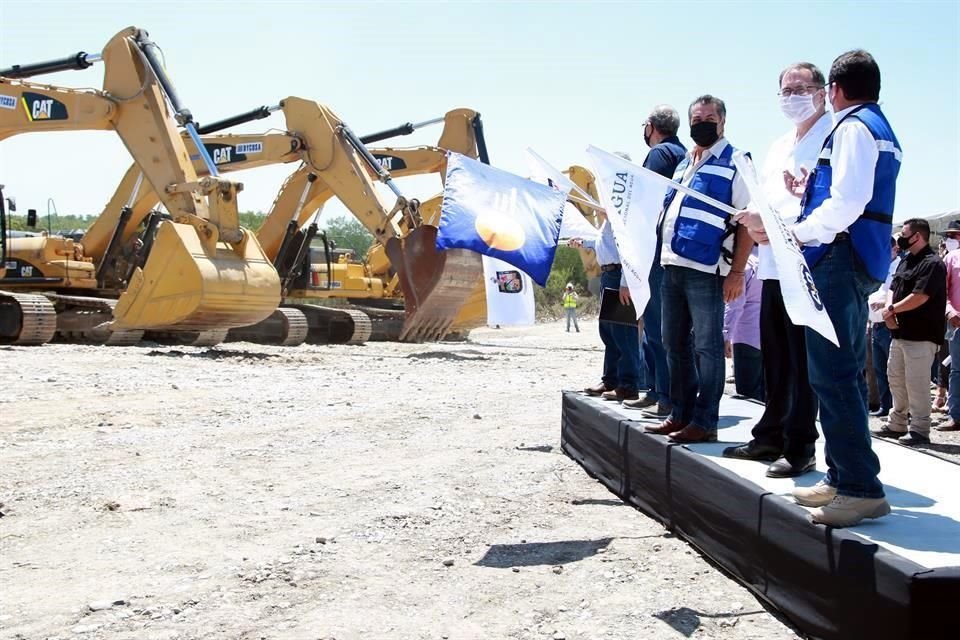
(381, 491)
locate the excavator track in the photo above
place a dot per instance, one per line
(208, 338)
(286, 327)
(335, 325)
(386, 324)
(83, 319)
(26, 319)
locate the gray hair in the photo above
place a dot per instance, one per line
(624, 155)
(708, 99)
(815, 72)
(665, 119)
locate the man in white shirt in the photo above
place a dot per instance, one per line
(621, 357)
(703, 255)
(786, 433)
(845, 226)
(880, 336)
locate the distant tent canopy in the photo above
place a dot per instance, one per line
(938, 222)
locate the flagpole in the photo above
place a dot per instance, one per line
(592, 205)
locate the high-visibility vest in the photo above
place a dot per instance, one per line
(701, 229)
(569, 301)
(870, 234)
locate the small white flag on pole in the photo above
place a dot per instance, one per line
(510, 301)
(633, 199)
(543, 170)
(800, 296)
(573, 224)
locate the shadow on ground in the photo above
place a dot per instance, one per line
(468, 354)
(531, 554)
(686, 620)
(213, 354)
(607, 502)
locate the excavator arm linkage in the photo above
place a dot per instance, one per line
(203, 271)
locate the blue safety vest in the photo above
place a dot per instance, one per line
(701, 229)
(870, 234)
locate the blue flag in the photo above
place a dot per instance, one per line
(501, 215)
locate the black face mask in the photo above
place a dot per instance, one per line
(904, 242)
(704, 134)
(646, 138)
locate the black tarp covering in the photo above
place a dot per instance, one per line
(829, 583)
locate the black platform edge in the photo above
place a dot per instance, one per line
(829, 583)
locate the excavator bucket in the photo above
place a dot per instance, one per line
(190, 285)
(435, 284)
(473, 313)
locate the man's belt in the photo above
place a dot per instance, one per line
(609, 267)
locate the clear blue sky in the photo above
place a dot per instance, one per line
(555, 76)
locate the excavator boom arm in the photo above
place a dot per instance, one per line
(203, 271)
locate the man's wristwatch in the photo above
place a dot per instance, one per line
(890, 308)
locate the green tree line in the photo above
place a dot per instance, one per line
(345, 231)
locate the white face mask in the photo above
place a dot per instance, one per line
(797, 108)
(952, 243)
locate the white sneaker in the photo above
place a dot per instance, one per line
(846, 511)
(819, 495)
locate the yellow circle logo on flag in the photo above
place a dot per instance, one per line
(499, 232)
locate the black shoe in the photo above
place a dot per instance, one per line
(753, 451)
(887, 432)
(913, 438)
(783, 468)
(880, 413)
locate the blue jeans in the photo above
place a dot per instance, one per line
(836, 373)
(653, 338)
(621, 359)
(953, 395)
(881, 353)
(693, 336)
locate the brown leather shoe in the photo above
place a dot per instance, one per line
(691, 434)
(620, 394)
(666, 427)
(597, 389)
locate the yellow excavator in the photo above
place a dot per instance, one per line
(584, 178)
(334, 163)
(196, 270)
(25, 319)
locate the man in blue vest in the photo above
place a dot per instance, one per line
(845, 227)
(703, 255)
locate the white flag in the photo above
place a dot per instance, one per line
(543, 171)
(633, 198)
(800, 296)
(509, 294)
(574, 225)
